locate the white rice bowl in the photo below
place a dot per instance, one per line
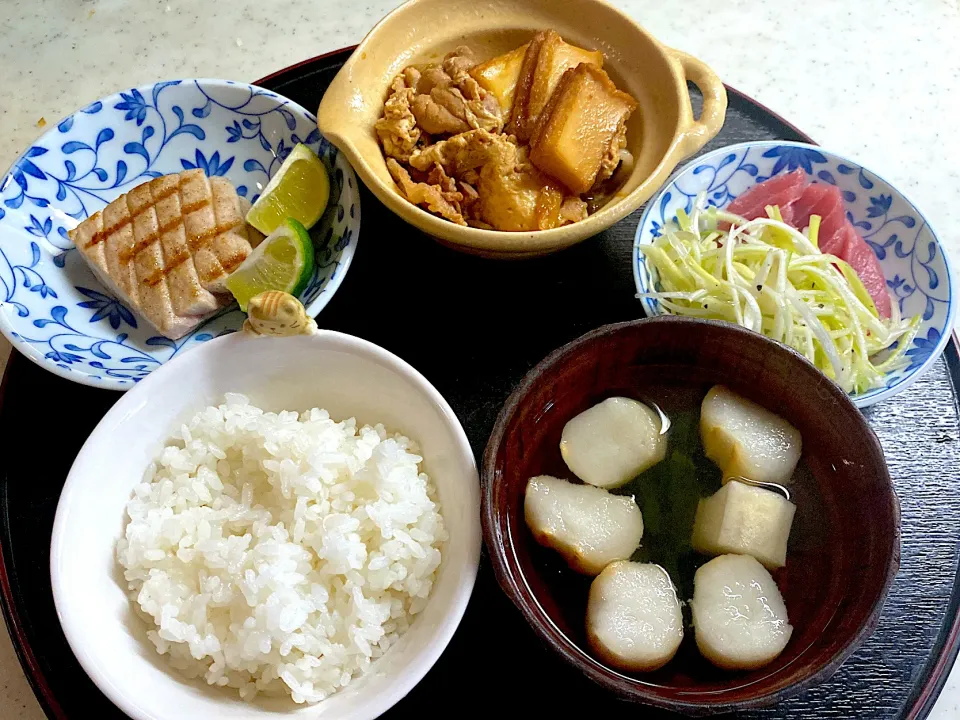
(280, 553)
(349, 377)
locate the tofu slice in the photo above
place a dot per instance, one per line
(634, 621)
(744, 520)
(739, 616)
(583, 125)
(747, 440)
(556, 57)
(500, 75)
(546, 59)
(613, 442)
(519, 119)
(588, 526)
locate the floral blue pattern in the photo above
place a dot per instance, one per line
(51, 306)
(913, 262)
(923, 348)
(212, 167)
(107, 306)
(135, 106)
(791, 157)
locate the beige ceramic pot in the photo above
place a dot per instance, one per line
(661, 133)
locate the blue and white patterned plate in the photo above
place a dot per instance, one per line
(52, 308)
(914, 263)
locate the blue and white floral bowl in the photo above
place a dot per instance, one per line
(916, 267)
(52, 308)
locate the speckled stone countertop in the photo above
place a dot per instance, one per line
(874, 79)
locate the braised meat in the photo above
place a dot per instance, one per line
(443, 134)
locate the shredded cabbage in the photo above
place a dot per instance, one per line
(771, 278)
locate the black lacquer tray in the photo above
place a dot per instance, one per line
(474, 327)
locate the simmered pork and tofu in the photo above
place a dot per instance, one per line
(546, 60)
(459, 136)
(500, 75)
(579, 136)
(486, 178)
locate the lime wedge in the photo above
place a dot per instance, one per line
(283, 261)
(300, 190)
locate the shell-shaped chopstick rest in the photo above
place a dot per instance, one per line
(277, 314)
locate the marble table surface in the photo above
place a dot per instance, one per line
(874, 79)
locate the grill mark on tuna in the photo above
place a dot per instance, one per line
(133, 233)
(232, 262)
(198, 242)
(101, 235)
(156, 277)
(190, 209)
(195, 243)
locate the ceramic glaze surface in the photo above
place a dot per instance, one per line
(916, 268)
(831, 539)
(660, 133)
(52, 308)
(345, 375)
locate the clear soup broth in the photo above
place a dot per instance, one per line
(668, 494)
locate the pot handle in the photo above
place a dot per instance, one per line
(701, 131)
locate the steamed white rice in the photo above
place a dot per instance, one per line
(280, 553)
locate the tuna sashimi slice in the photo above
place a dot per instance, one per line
(815, 200)
(833, 219)
(862, 259)
(797, 202)
(780, 190)
(832, 244)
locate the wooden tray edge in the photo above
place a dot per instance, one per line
(923, 701)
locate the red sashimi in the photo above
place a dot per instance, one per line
(813, 198)
(833, 219)
(864, 262)
(826, 202)
(832, 245)
(797, 201)
(781, 190)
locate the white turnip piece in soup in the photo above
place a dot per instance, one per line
(634, 621)
(747, 440)
(588, 526)
(739, 616)
(613, 442)
(745, 520)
